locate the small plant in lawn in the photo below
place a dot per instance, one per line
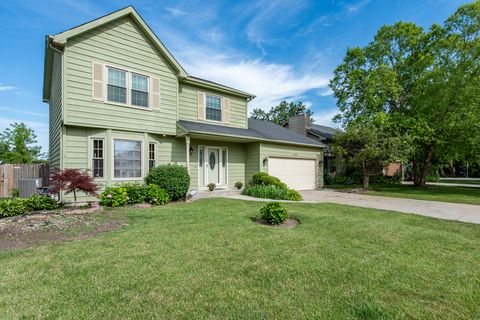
(73, 180)
(156, 195)
(238, 185)
(174, 179)
(274, 213)
(114, 196)
(211, 186)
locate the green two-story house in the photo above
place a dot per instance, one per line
(120, 104)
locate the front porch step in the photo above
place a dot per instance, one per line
(201, 194)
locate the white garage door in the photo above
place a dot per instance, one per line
(298, 174)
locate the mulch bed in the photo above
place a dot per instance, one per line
(289, 223)
(54, 226)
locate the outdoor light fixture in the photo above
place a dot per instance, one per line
(191, 150)
(320, 162)
(265, 160)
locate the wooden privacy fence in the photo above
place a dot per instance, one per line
(11, 173)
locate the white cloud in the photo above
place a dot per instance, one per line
(326, 92)
(270, 82)
(4, 87)
(325, 117)
(30, 113)
(356, 7)
(175, 12)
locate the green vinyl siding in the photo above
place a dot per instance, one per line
(253, 160)
(288, 151)
(188, 106)
(55, 114)
(120, 44)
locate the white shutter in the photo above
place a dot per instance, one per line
(201, 106)
(225, 110)
(97, 81)
(155, 90)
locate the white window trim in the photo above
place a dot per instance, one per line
(90, 158)
(221, 107)
(128, 89)
(142, 162)
(204, 169)
(155, 154)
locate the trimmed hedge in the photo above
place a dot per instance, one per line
(272, 192)
(264, 179)
(171, 177)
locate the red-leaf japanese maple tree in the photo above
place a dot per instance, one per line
(73, 180)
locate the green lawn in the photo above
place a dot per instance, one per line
(207, 259)
(436, 193)
(460, 181)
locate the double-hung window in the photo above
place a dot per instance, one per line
(213, 108)
(127, 162)
(151, 155)
(98, 158)
(117, 85)
(139, 90)
(129, 88)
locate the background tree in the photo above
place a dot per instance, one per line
(280, 113)
(17, 144)
(428, 83)
(370, 146)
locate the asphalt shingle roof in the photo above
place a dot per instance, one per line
(257, 129)
(324, 131)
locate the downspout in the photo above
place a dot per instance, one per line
(187, 143)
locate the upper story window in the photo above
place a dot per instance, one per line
(117, 85)
(128, 88)
(139, 90)
(213, 108)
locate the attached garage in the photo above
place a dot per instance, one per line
(298, 174)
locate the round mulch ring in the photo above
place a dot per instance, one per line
(289, 223)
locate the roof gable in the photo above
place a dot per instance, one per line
(61, 38)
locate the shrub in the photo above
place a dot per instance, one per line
(381, 179)
(293, 195)
(36, 202)
(73, 180)
(271, 192)
(211, 186)
(15, 192)
(114, 196)
(264, 179)
(12, 207)
(174, 179)
(274, 213)
(156, 195)
(238, 185)
(135, 192)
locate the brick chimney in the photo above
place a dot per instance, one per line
(298, 124)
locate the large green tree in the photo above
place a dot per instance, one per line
(17, 144)
(280, 113)
(370, 145)
(427, 82)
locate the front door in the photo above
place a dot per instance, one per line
(213, 165)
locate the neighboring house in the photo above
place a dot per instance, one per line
(121, 104)
(301, 124)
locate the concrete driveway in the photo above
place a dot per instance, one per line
(442, 210)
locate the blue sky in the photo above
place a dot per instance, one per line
(284, 49)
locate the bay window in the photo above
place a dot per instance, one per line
(127, 162)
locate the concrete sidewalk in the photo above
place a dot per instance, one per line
(436, 209)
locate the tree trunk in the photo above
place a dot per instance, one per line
(366, 176)
(421, 178)
(74, 196)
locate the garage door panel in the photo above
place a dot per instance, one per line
(298, 174)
